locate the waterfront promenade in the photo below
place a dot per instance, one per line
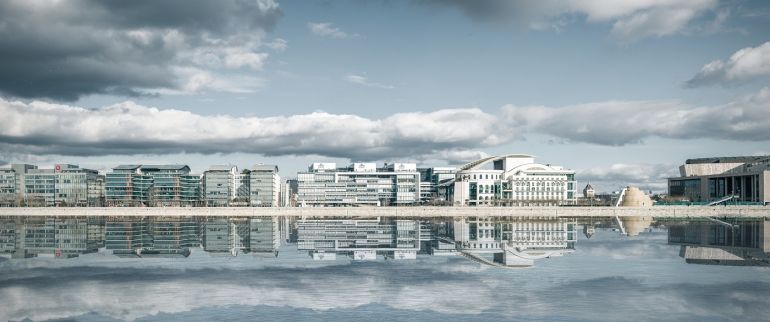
(417, 212)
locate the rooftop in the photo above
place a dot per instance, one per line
(736, 159)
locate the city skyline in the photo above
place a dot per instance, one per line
(619, 93)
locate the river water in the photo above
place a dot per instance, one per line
(348, 269)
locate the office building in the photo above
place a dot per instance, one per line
(744, 179)
(65, 185)
(218, 184)
(9, 191)
(264, 186)
(513, 180)
(360, 184)
(152, 185)
(433, 185)
(12, 184)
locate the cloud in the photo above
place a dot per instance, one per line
(40, 128)
(325, 29)
(615, 176)
(361, 80)
(129, 128)
(744, 65)
(66, 50)
(617, 123)
(631, 20)
(278, 44)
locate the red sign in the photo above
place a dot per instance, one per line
(57, 168)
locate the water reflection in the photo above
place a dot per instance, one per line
(729, 241)
(497, 241)
(347, 268)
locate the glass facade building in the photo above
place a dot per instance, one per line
(359, 184)
(152, 185)
(264, 186)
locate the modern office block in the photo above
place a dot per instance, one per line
(152, 185)
(359, 184)
(264, 186)
(741, 179)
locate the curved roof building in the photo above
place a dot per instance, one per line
(514, 179)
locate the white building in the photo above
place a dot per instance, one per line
(513, 180)
(359, 184)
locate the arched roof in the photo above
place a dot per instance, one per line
(481, 162)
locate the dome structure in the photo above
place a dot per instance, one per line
(635, 198)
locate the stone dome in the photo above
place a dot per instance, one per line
(635, 198)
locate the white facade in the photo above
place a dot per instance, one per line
(513, 180)
(359, 184)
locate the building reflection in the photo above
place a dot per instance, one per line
(50, 237)
(499, 241)
(241, 236)
(361, 239)
(735, 242)
(514, 241)
(148, 237)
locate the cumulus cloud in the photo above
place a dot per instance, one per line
(631, 20)
(129, 128)
(362, 80)
(325, 29)
(626, 122)
(65, 50)
(40, 128)
(744, 65)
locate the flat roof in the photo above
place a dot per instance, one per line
(735, 159)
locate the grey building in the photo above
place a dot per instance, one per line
(743, 179)
(359, 184)
(224, 186)
(434, 185)
(218, 185)
(264, 186)
(64, 185)
(153, 185)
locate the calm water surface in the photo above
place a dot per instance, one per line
(440, 269)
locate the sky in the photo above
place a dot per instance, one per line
(634, 278)
(620, 91)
